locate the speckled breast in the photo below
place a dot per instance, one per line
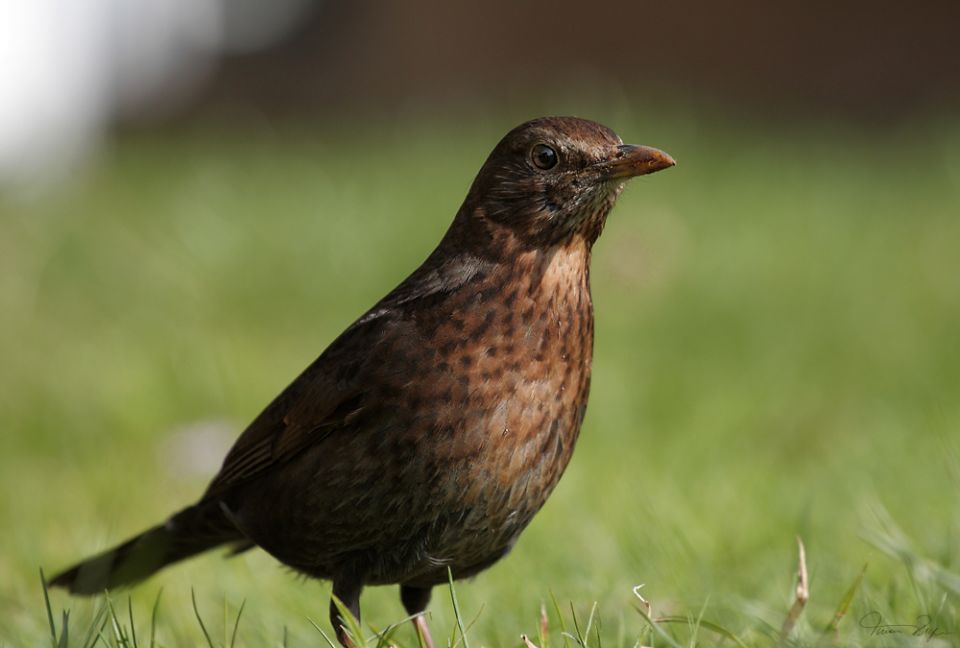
(473, 403)
(512, 363)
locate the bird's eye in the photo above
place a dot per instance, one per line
(544, 157)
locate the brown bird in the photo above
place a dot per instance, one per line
(428, 435)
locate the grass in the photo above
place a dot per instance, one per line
(777, 356)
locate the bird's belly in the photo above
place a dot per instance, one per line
(494, 463)
(472, 510)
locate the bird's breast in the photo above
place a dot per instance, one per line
(473, 411)
(508, 380)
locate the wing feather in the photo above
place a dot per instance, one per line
(330, 393)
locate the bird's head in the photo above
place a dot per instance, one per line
(555, 178)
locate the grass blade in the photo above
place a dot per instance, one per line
(119, 634)
(64, 630)
(709, 625)
(133, 630)
(196, 611)
(97, 624)
(586, 632)
(656, 628)
(833, 627)
(383, 636)
(582, 637)
(46, 601)
(697, 625)
(236, 626)
(456, 611)
(352, 625)
(563, 625)
(100, 636)
(322, 633)
(153, 619)
(576, 625)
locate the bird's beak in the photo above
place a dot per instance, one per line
(631, 161)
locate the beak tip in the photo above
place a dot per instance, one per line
(664, 160)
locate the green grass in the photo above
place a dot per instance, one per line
(777, 355)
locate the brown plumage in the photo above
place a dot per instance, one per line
(431, 431)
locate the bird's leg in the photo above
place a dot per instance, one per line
(415, 600)
(348, 591)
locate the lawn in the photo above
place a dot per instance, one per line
(777, 355)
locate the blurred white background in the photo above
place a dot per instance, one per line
(69, 68)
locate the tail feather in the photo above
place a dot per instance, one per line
(191, 531)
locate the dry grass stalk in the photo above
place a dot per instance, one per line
(800, 596)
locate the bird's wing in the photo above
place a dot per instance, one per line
(327, 396)
(330, 393)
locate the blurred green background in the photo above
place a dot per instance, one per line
(777, 349)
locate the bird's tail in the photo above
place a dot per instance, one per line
(191, 531)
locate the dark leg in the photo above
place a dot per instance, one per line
(348, 591)
(415, 601)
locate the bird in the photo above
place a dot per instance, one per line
(424, 439)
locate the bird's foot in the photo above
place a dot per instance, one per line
(423, 631)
